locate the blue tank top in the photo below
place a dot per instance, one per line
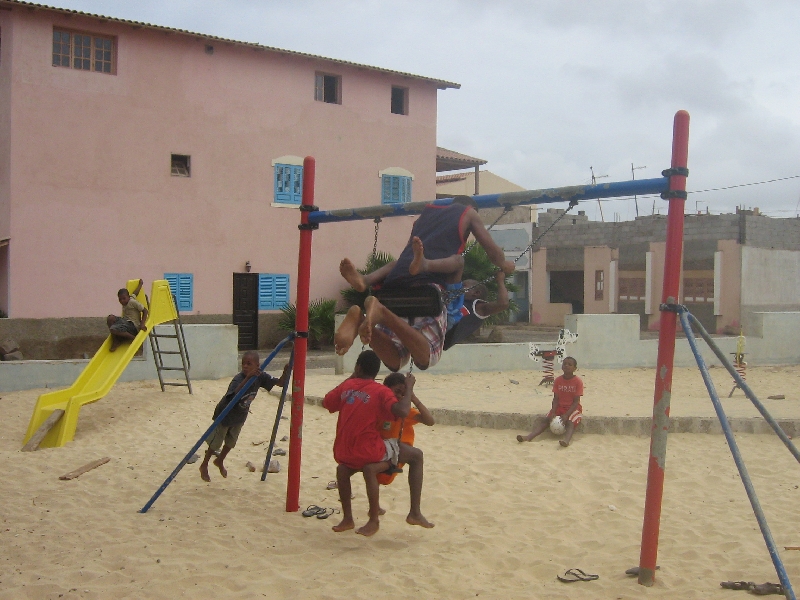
(439, 228)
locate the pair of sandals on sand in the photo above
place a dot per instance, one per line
(319, 512)
(761, 589)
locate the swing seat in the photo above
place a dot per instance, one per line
(417, 301)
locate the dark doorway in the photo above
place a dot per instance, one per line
(245, 309)
(567, 287)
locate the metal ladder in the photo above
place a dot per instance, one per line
(158, 353)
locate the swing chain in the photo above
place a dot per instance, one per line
(375, 243)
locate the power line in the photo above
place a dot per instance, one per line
(730, 187)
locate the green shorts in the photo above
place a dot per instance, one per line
(226, 435)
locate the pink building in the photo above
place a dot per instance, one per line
(132, 150)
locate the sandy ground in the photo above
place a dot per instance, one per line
(509, 517)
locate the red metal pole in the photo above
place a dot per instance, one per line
(666, 352)
(301, 342)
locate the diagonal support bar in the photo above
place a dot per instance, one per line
(742, 384)
(278, 414)
(216, 422)
(737, 458)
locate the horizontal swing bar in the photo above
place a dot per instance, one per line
(571, 193)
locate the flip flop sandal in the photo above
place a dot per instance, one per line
(332, 485)
(735, 585)
(327, 514)
(634, 571)
(764, 589)
(573, 575)
(313, 511)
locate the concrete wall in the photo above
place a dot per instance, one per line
(612, 342)
(107, 141)
(212, 351)
(770, 282)
(775, 234)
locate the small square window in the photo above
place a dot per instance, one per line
(399, 100)
(328, 88)
(181, 165)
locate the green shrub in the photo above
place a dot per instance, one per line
(321, 326)
(478, 266)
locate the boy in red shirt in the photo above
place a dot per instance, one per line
(361, 402)
(567, 392)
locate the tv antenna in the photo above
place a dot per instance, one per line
(633, 178)
(594, 181)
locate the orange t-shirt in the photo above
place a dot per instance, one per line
(391, 429)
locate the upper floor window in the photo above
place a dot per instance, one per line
(181, 165)
(328, 88)
(395, 189)
(399, 100)
(83, 51)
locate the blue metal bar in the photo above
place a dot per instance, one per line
(278, 413)
(545, 196)
(743, 385)
(216, 422)
(737, 457)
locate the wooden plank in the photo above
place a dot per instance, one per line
(36, 438)
(87, 467)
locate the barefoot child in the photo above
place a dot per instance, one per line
(567, 392)
(361, 402)
(404, 430)
(442, 232)
(132, 321)
(227, 432)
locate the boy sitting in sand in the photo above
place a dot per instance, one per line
(361, 403)
(133, 319)
(227, 432)
(442, 232)
(403, 429)
(567, 392)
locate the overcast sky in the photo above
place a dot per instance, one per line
(551, 88)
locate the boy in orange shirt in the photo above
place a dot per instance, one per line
(404, 430)
(567, 392)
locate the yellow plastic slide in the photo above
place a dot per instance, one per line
(100, 374)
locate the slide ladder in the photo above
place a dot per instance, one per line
(100, 374)
(178, 349)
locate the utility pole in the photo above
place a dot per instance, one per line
(594, 181)
(633, 178)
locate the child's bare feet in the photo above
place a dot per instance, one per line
(351, 275)
(344, 525)
(370, 529)
(222, 470)
(419, 520)
(418, 264)
(371, 310)
(204, 472)
(563, 443)
(348, 330)
(381, 511)
(114, 344)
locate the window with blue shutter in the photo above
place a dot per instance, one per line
(182, 287)
(288, 184)
(395, 189)
(273, 291)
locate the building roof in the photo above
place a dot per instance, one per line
(440, 83)
(451, 177)
(448, 160)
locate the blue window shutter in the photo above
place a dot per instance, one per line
(273, 291)
(406, 196)
(266, 291)
(386, 189)
(288, 184)
(281, 291)
(395, 189)
(182, 287)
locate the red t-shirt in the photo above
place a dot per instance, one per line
(566, 390)
(360, 403)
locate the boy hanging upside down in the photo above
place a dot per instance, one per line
(441, 233)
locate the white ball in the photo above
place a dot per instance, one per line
(557, 426)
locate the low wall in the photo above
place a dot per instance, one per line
(613, 342)
(212, 351)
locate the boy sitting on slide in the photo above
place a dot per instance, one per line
(132, 321)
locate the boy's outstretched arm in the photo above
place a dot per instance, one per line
(487, 309)
(425, 417)
(138, 289)
(495, 252)
(284, 376)
(401, 409)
